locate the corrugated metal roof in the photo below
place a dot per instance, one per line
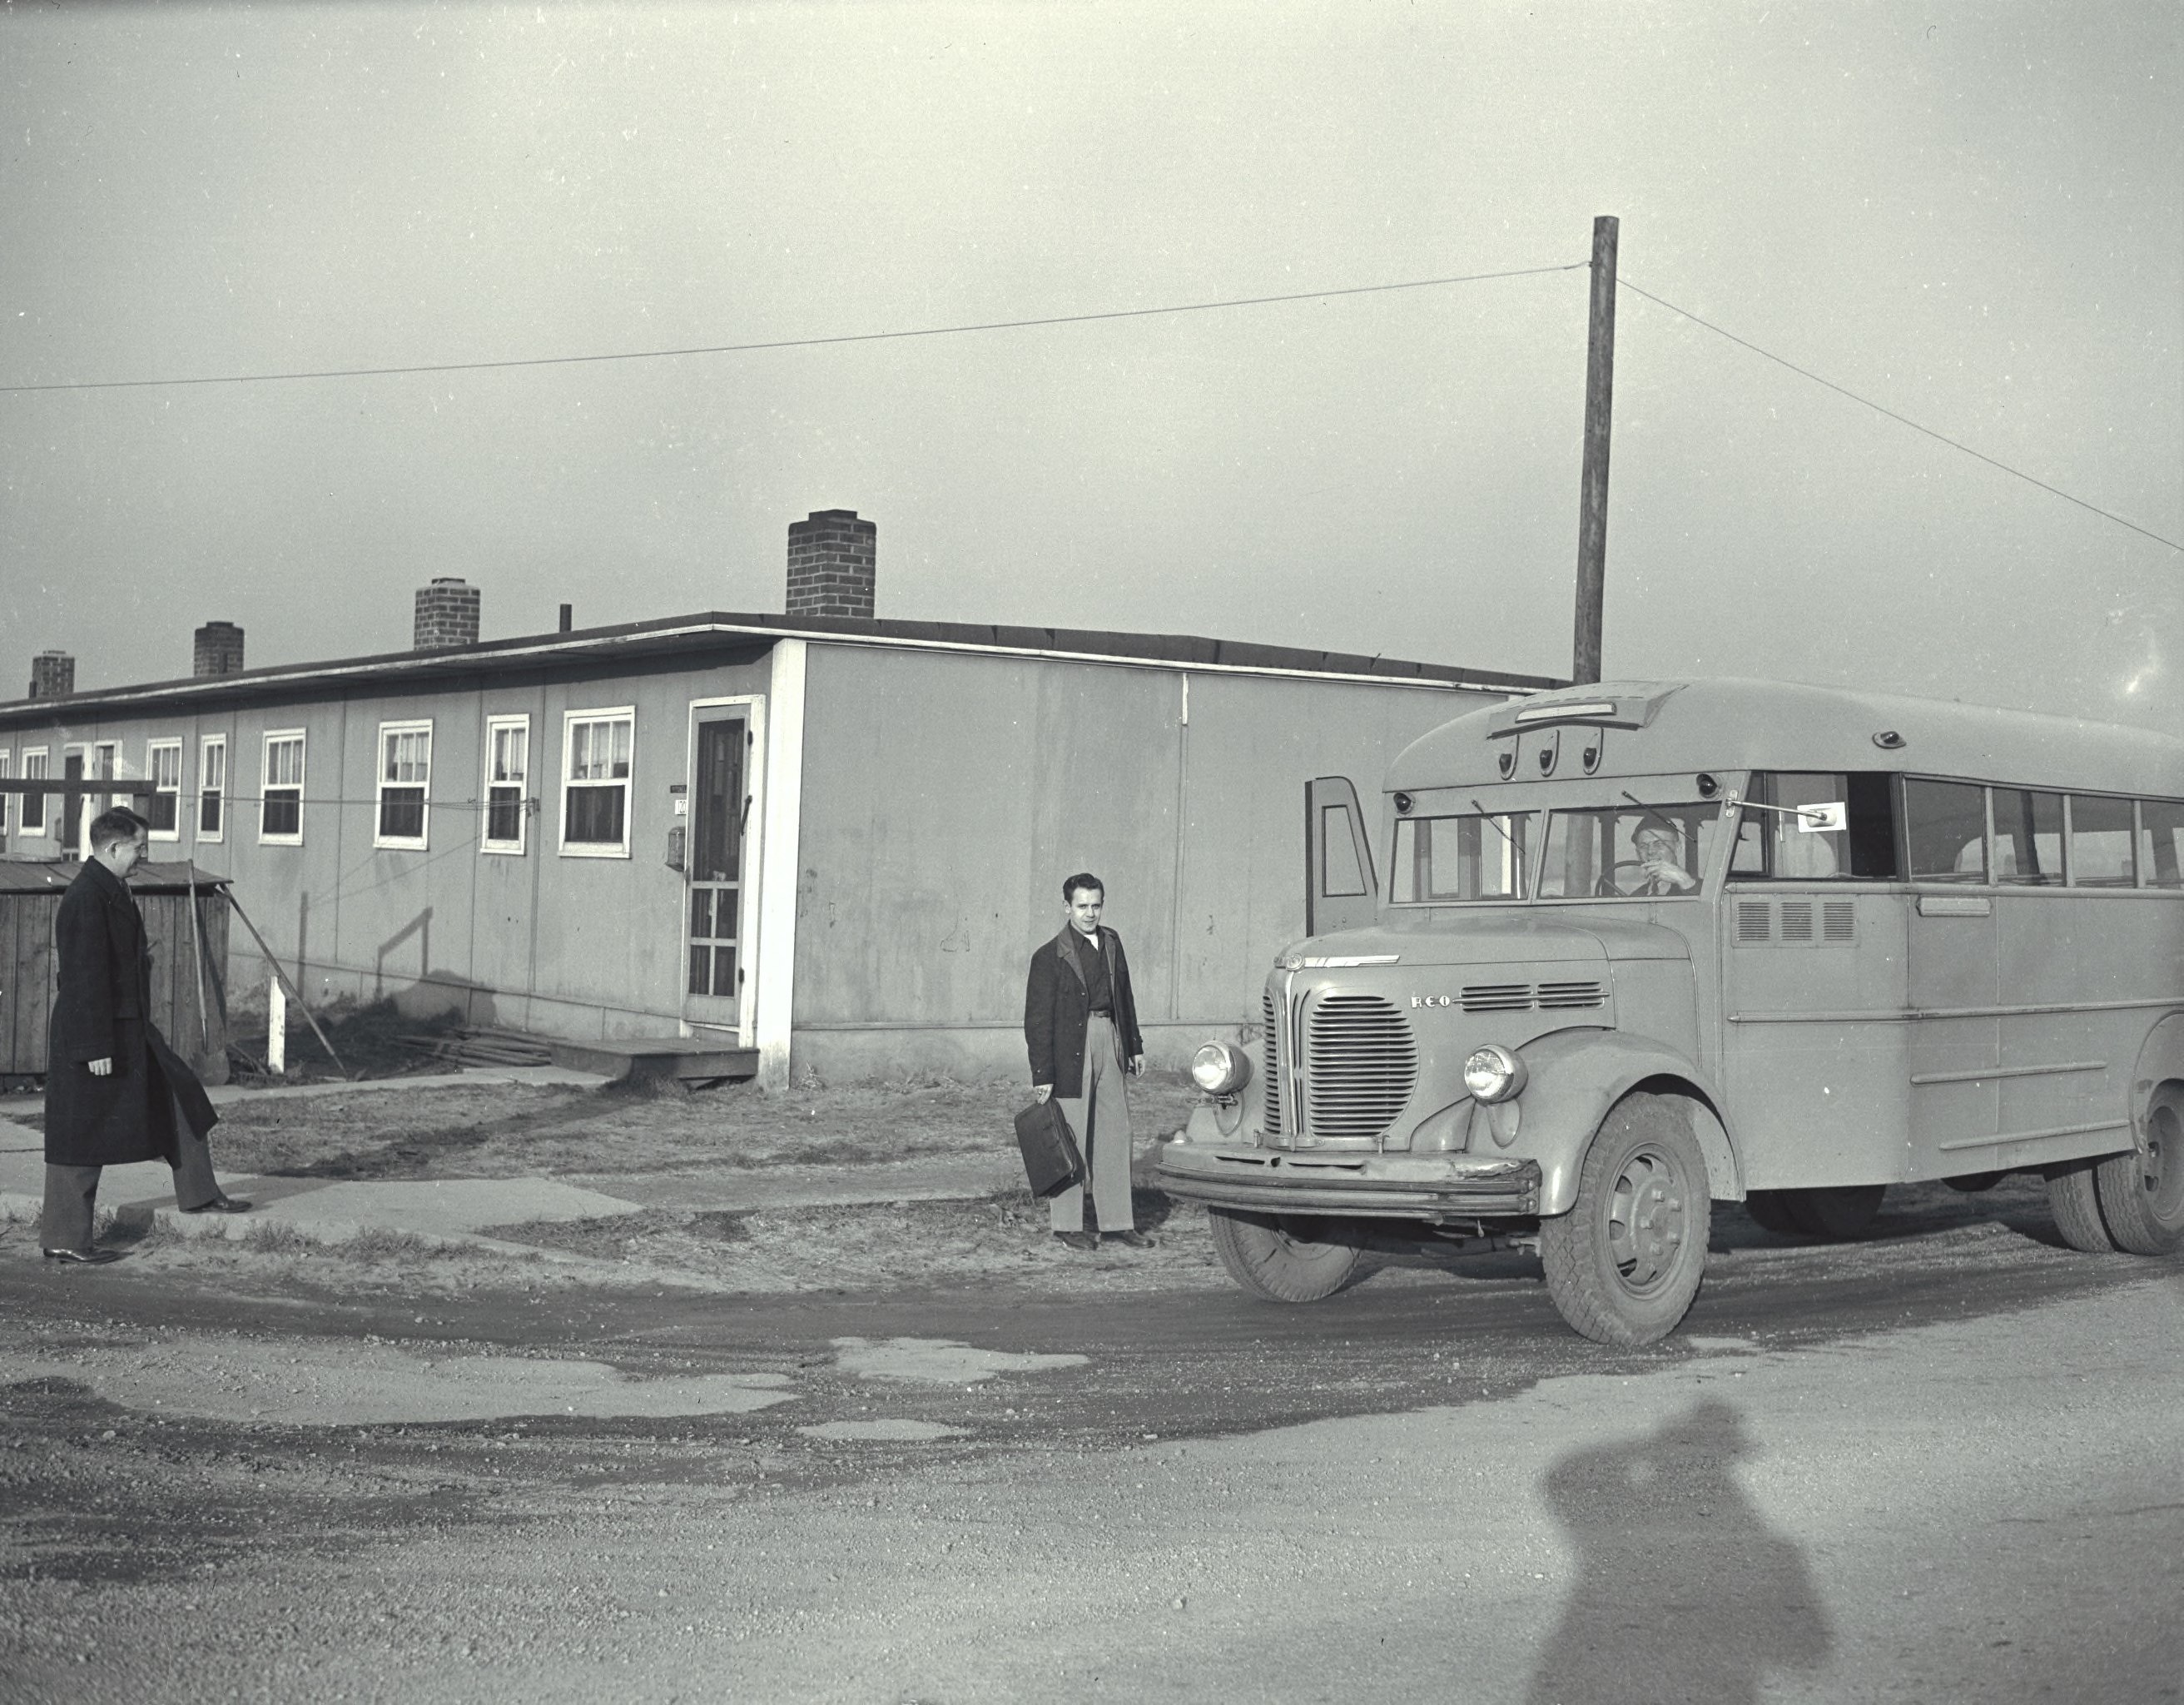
(25, 876)
(752, 634)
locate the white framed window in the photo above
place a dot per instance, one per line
(507, 783)
(37, 815)
(7, 773)
(280, 791)
(405, 783)
(596, 749)
(163, 769)
(212, 787)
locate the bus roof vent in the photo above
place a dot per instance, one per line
(1609, 704)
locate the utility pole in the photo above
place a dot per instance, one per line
(1592, 490)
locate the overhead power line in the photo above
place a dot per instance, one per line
(1901, 420)
(781, 342)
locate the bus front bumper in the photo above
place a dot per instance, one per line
(1280, 1181)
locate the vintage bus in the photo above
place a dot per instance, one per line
(1640, 947)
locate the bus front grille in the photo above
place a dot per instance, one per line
(1362, 1063)
(1272, 1075)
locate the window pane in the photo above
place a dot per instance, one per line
(701, 913)
(166, 766)
(2028, 837)
(1947, 828)
(2100, 843)
(701, 972)
(511, 754)
(595, 817)
(216, 767)
(283, 812)
(1340, 873)
(402, 813)
(33, 804)
(1454, 859)
(162, 815)
(724, 971)
(504, 815)
(208, 812)
(1659, 851)
(2160, 841)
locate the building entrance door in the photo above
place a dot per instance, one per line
(720, 814)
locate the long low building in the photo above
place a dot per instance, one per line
(831, 838)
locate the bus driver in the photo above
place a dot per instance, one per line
(1656, 844)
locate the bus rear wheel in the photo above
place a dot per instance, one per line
(1769, 1210)
(1838, 1213)
(2077, 1209)
(1281, 1258)
(2142, 1195)
(1625, 1262)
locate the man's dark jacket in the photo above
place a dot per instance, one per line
(1056, 1008)
(102, 1011)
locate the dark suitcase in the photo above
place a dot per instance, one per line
(1051, 1162)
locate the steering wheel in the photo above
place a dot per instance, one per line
(1609, 887)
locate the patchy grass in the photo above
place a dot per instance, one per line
(508, 1130)
(999, 1239)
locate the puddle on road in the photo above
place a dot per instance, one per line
(365, 1385)
(939, 1360)
(890, 1431)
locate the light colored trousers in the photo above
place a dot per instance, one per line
(72, 1192)
(1100, 1117)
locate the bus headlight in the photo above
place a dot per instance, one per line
(1219, 1069)
(1493, 1073)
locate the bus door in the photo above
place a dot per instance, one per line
(1955, 982)
(1342, 889)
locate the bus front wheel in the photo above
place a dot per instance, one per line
(2142, 1195)
(1625, 1262)
(1281, 1258)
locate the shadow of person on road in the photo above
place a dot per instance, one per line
(1683, 1594)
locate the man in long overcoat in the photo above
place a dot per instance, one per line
(1081, 1027)
(115, 1092)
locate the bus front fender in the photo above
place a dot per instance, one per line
(1575, 1075)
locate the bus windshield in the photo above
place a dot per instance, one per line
(1628, 851)
(1442, 860)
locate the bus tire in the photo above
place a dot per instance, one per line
(1625, 1262)
(1838, 1213)
(1770, 1213)
(1278, 1259)
(2142, 1195)
(2077, 1209)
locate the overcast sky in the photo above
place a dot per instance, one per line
(1972, 214)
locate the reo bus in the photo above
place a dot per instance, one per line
(1645, 946)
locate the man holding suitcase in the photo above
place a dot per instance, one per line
(1081, 1027)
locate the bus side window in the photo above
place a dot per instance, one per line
(1945, 828)
(2028, 837)
(1777, 846)
(1750, 856)
(2160, 841)
(2101, 843)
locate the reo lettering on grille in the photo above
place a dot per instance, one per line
(1418, 1000)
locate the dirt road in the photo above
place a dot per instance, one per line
(1949, 1464)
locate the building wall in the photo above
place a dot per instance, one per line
(936, 832)
(581, 946)
(944, 796)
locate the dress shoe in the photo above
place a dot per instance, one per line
(84, 1257)
(1129, 1240)
(222, 1204)
(1077, 1239)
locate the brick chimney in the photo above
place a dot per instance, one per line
(52, 675)
(447, 614)
(832, 564)
(217, 650)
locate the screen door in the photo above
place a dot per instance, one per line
(720, 805)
